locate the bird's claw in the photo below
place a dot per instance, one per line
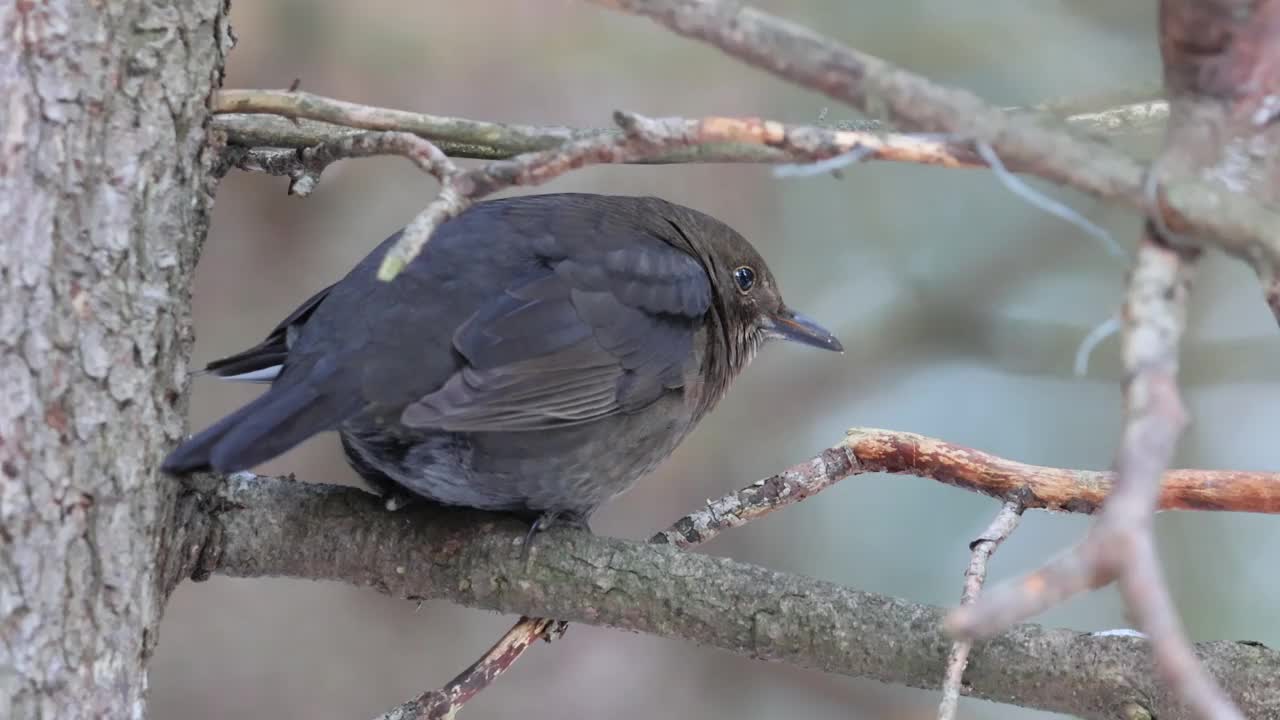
(394, 501)
(543, 523)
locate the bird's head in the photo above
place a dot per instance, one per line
(754, 305)
(746, 293)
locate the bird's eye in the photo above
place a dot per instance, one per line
(745, 277)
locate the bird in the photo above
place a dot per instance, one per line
(539, 356)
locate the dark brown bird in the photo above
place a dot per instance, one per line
(539, 356)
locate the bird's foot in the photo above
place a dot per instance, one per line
(543, 522)
(395, 500)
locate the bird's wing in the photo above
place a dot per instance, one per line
(577, 341)
(264, 361)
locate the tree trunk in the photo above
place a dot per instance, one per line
(106, 184)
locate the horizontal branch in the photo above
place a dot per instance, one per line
(276, 131)
(290, 119)
(1048, 488)
(870, 450)
(258, 527)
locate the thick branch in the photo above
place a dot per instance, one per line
(869, 450)
(272, 527)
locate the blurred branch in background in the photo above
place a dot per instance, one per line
(1236, 223)
(1222, 73)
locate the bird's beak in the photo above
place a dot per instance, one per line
(789, 325)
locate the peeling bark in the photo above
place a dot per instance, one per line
(105, 192)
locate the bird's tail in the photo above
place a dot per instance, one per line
(275, 422)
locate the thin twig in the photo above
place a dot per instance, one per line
(1015, 185)
(504, 139)
(1095, 337)
(305, 165)
(644, 137)
(275, 118)
(283, 119)
(981, 550)
(448, 700)
(871, 450)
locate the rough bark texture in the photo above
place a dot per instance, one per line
(264, 527)
(105, 191)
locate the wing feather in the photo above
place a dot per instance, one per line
(578, 341)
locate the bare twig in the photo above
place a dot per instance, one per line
(869, 450)
(305, 165)
(981, 550)
(498, 140)
(1154, 319)
(448, 701)
(645, 137)
(1095, 337)
(282, 119)
(274, 118)
(1015, 185)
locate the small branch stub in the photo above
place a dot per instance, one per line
(981, 550)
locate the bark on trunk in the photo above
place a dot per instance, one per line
(105, 192)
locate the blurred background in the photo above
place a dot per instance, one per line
(961, 307)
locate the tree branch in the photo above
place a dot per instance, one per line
(1233, 222)
(252, 118)
(1220, 74)
(863, 450)
(273, 527)
(448, 700)
(642, 137)
(304, 165)
(981, 550)
(867, 450)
